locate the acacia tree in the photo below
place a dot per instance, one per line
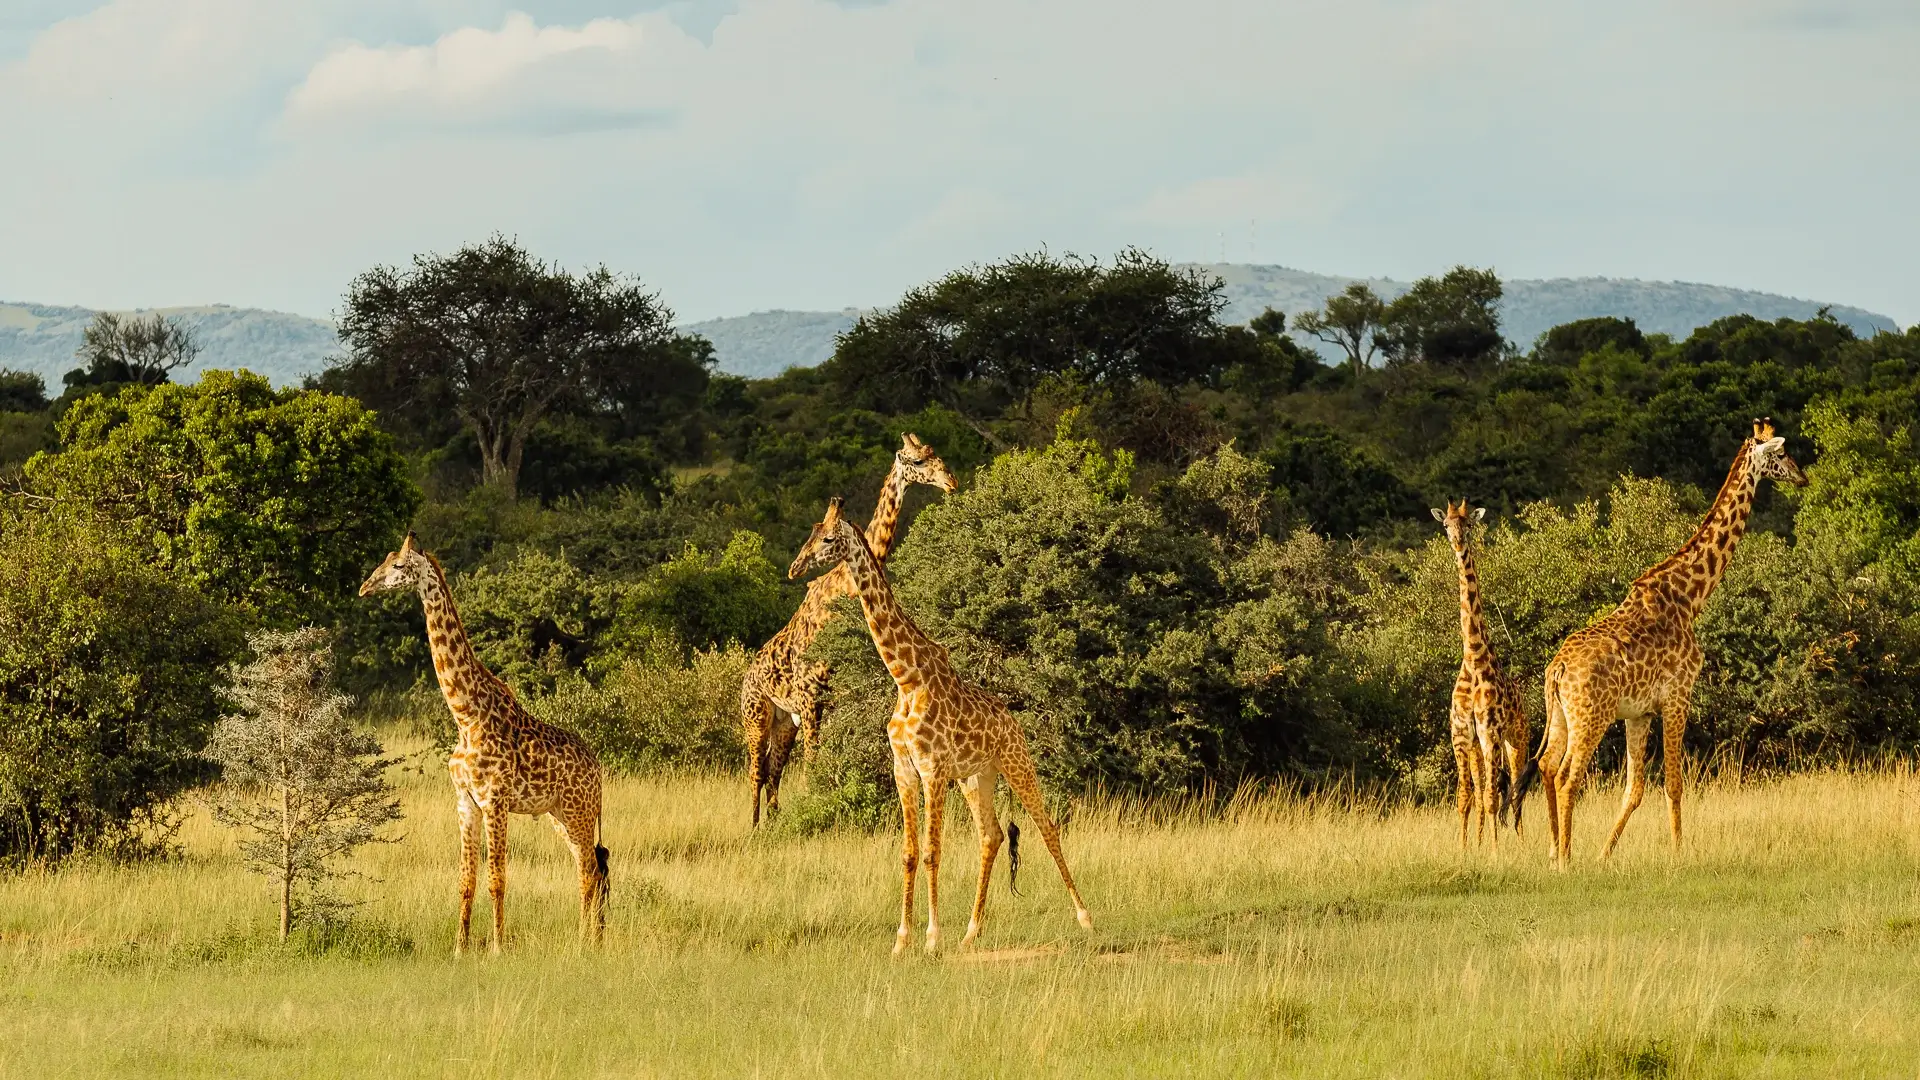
(497, 340)
(1350, 322)
(133, 349)
(306, 786)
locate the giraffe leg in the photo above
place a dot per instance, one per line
(1516, 775)
(1637, 730)
(756, 718)
(779, 750)
(1018, 769)
(1673, 747)
(810, 729)
(906, 781)
(936, 796)
(1552, 753)
(1463, 779)
(497, 874)
(979, 793)
(1488, 808)
(580, 830)
(1584, 730)
(470, 828)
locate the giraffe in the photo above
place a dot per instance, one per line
(1642, 658)
(1487, 720)
(944, 729)
(504, 760)
(780, 675)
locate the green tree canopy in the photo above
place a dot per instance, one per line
(989, 336)
(275, 499)
(1451, 320)
(492, 340)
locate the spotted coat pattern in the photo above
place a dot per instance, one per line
(504, 761)
(1642, 659)
(944, 729)
(1487, 721)
(781, 676)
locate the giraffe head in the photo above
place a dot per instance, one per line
(1459, 521)
(829, 544)
(404, 569)
(1768, 455)
(918, 464)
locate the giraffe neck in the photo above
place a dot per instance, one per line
(1473, 625)
(885, 523)
(1688, 577)
(903, 648)
(455, 665)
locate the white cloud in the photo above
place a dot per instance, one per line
(460, 66)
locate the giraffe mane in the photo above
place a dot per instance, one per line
(1741, 463)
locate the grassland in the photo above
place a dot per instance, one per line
(1279, 937)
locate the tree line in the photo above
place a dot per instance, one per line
(1190, 553)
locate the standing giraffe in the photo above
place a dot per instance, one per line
(943, 729)
(1643, 658)
(1487, 720)
(781, 676)
(504, 761)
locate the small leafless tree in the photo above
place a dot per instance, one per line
(134, 348)
(306, 787)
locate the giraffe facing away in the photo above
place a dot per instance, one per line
(943, 729)
(1642, 658)
(780, 676)
(504, 761)
(1487, 721)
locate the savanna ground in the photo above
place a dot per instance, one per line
(1275, 937)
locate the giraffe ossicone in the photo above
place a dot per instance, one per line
(504, 761)
(943, 730)
(1642, 659)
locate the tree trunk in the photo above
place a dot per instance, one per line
(286, 864)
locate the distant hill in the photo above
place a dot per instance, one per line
(768, 342)
(283, 347)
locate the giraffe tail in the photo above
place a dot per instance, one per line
(606, 882)
(1013, 857)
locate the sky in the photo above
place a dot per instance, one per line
(741, 155)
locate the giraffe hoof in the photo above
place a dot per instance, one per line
(1086, 919)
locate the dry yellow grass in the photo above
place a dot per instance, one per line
(1279, 938)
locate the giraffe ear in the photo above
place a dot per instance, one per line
(1480, 514)
(1439, 515)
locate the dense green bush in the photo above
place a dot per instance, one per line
(1140, 651)
(657, 710)
(109, 673)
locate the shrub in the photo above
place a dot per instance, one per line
(108, 675)
(657, 711)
